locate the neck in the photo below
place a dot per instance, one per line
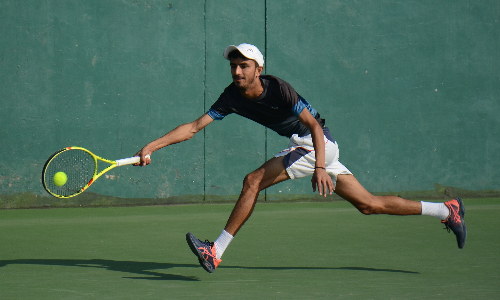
(253, 91)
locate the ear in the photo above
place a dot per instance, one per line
(258, 71)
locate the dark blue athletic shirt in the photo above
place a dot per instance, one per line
(277, 108)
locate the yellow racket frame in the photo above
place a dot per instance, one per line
(113, 164)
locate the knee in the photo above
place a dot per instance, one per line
(252, 181)
(371, 207)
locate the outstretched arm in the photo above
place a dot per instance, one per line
(181, 133)
(320, 178)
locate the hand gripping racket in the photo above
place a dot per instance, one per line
(79, 166)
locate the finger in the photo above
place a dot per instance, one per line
(138, 163)
(320, 187)
(313, 181)
(144, 160)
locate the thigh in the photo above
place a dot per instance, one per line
(271, 172)
(349, 188)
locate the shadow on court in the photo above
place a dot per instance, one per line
(134, 267)
(322, 268)
(147, 269)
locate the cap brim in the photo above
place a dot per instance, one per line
(228, 50)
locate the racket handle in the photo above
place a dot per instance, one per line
(129, 161)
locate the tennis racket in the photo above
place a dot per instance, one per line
(79, 167)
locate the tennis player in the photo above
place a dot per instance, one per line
(272, 102)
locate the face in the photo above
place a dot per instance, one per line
(244, 72)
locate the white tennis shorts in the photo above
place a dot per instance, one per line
(300, 158)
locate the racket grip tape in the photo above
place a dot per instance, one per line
(129, 161)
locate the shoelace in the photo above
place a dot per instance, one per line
(446, 227)
(205, 251)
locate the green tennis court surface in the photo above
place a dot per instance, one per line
(285, 251)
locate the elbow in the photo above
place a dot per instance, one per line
(193, 129)
(189, 136)
(316, 128)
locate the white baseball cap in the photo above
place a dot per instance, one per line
(248, 51)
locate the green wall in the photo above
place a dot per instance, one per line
(410, 90)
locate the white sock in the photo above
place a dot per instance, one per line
(438, 210)
(221, 243)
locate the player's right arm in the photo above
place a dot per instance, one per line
(181, 133)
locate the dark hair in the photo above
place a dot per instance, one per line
(237, 54)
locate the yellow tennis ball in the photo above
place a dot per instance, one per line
(60, 178)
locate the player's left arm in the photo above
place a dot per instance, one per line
(320, 178)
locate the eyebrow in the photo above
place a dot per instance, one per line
(246, 62)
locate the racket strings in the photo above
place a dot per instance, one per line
(79, 167)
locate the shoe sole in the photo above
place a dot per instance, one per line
(461, 212)
(190, 238)
(465, 235)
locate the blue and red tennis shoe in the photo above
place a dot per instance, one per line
(205, 252)
(455, 221)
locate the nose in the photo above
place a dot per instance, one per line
(236, 70)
